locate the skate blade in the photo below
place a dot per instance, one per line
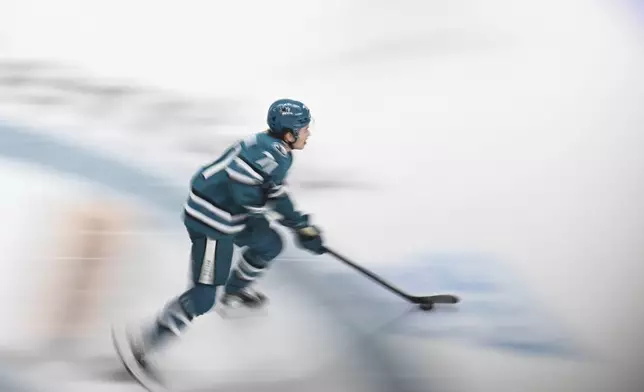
(236, 313)
(122, 346)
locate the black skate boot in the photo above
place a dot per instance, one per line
(242, 303)
(133, 355)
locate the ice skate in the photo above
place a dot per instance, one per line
(132, 354)
(246, 302)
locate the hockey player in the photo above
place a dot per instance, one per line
(226, 206)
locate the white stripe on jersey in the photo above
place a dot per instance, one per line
(257, 210)
(223, 164)
(211, 222)
(277, 191)
(217, 211)
(239, 177)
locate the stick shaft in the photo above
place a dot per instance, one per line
(369, 274)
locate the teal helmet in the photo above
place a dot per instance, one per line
(287, 115)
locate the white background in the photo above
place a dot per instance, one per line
(508, 128)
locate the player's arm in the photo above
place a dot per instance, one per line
(251, 187)
(308, 236)
(282, 203)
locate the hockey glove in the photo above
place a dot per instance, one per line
(310, 239)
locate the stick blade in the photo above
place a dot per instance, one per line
(437, 299)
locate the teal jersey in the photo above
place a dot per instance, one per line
(247, 180)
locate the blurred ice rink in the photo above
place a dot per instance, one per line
(505, 129)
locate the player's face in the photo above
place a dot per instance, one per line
(304, 134)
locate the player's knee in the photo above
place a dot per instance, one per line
(199, 299)
(261, 253)
(273, 246)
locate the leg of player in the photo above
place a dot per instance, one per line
(264, 244)
(211, 261)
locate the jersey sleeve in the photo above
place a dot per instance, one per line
(281, 202)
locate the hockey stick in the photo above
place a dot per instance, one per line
(425, 302)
